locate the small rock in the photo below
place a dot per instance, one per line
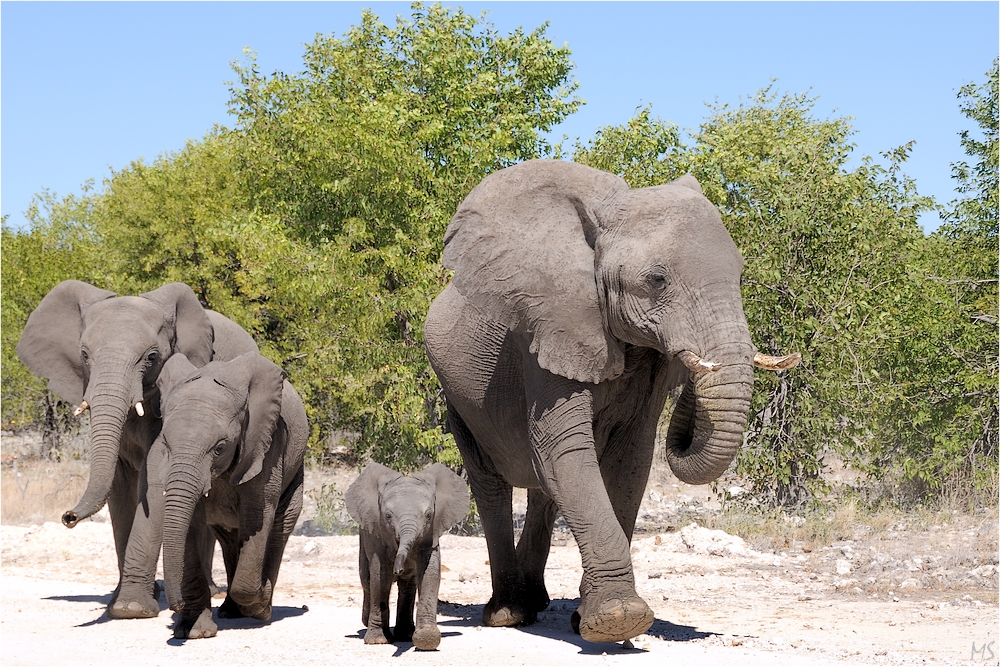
(843, 567)
(310, 547)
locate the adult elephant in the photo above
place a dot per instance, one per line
(577, 304)
(104, 352)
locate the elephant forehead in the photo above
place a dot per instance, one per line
(200, 398)
(126, 315)
(409, 492)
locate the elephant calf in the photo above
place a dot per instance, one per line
(230, 455)
(401, 519)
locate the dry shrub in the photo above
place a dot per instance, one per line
(35, 491)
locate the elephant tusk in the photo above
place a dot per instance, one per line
(79, 410)
(696, 364)
(138, 409)
(776, 363)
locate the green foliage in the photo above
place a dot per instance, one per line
(951, 391)
(646, 151)
(317, 223)
(826, 275)
(59, 246)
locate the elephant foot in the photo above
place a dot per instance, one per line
(427, 637)
(256, 604)
(500, 615)
(402, 633)
(196, 627)
(135, 602)
(377, 636)
(536, 598)
(612, 619)
(229, 609)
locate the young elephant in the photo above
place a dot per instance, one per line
(401, 519)
(229, 455)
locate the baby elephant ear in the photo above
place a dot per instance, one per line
(362, 497)
(522, 248)
(175, 370)
(261, 381)
(451, 496)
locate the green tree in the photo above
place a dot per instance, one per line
(950, 397)
(362, 158)
(646, 151)
(826, 250)
(57, 246)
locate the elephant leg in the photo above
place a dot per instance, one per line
(427, 636)
(406, 598)
(285, 517)
(229, 540)
(368, 595)
(195, 618)
(249, 589)
(207, 556)
(138, 592)
(533, 548)
(494, 500)
(561, 431)
(379, 585)
(122, 504)
(625, 464)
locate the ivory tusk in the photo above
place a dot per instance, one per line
(696, 364)
(138, 409)
(79, 410)
(776, 363)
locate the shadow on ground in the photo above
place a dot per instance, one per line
(554, 623)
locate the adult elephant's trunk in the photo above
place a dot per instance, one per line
(110, 398)
(707, 424)
(183, 491)
(406, 539)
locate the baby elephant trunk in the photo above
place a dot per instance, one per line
(405, 542)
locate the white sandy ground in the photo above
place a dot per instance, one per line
(717, 602)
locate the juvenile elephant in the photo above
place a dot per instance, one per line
(104, 352)
(577, 304)
(230, 456)
(401, 519)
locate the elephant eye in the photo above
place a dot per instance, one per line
(388, 516)
(85, 356)
(152, 356)
(219, 446)
(657, 280)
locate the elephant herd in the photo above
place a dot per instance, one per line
(577, 306)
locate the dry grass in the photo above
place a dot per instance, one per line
(35, 491)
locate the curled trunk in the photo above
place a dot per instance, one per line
(706, 428)
(109, 405)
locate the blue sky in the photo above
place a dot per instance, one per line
(90, 87)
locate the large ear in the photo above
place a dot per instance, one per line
(260, 380)
(362, 495)
(193, 330)
(175, 370)
(521, 246)
(50, 342)
(451, 496)
(688, 181)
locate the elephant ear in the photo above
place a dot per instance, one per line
(522, 248)
(688, 181)
(176, 370)
(192, 328)
(362, 497)
(451, 496)
(260, 381)
(50, 342)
